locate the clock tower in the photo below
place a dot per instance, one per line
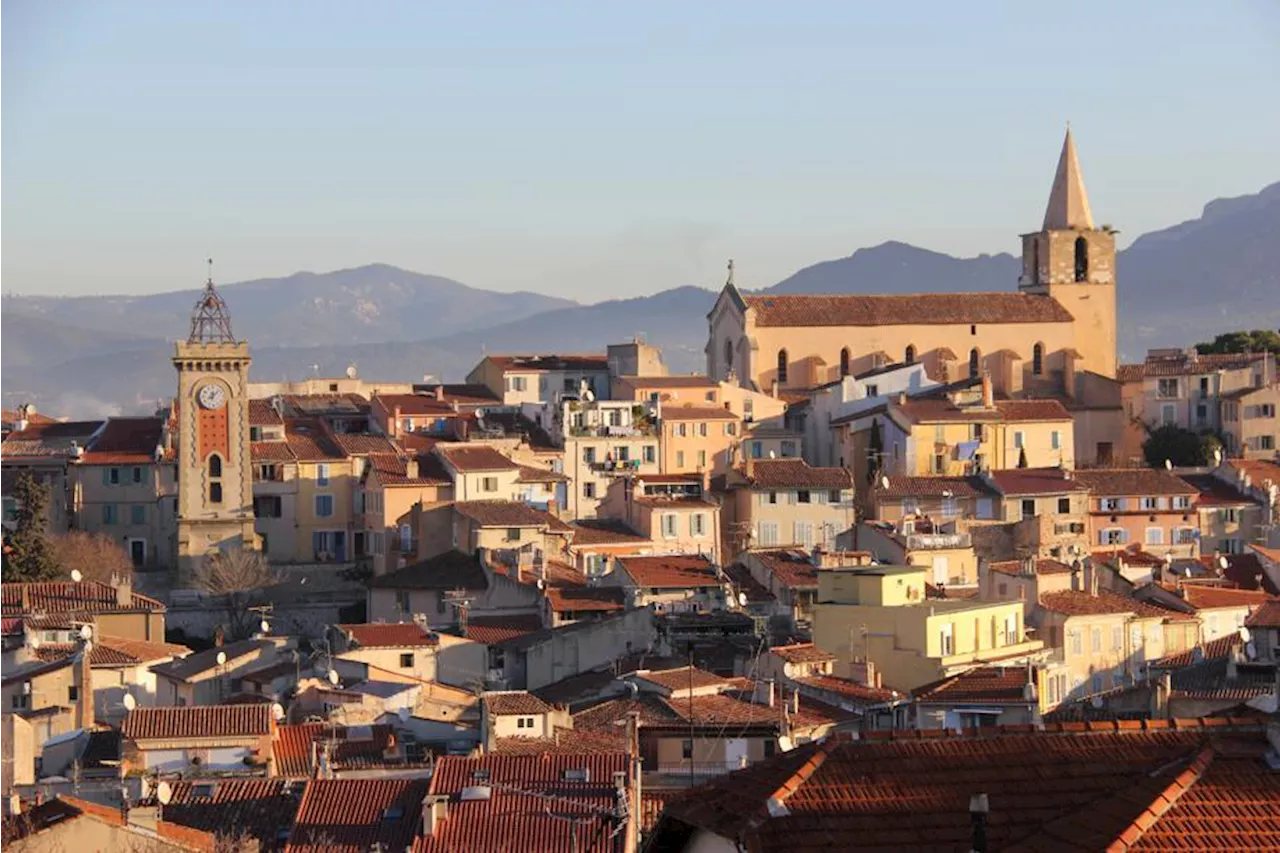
(215, 478)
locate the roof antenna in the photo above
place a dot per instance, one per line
(209, 278)
(729, 281)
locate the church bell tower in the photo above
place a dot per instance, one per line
(215, 479)
(1074, 262)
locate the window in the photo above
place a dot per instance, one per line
(588, 489)
(682, 430)
(215, 493)
(1028, 508)
(138, 514)
(788, 448)
(1055, 440)
(108, 513)
(1095, 640)
(679, 458)
(782, 367)
(698, 524)
(844, 362)
(520, 383)
(1073, 637)
(770, 498)
(768, 533)
(255, 433)
(702, 459)
(802, 496)
(1167, 388)
(589, 455)
(974, 360)
(873, 390)
(1110, 504)
(19, 700)
(1019, 439)
(1037, 360)
(1082, 259)
(406, 660)
(624, 453)
(1111, 536)
(615, 417)
(137, 475)
(1202, 413)
(513, 534)
(488, 484)
(324, 506)
(215, 465)
(1230, 515)
(268, 472)
(686, 749)
(975, 432)
(1064, 505)
(650, 454)
(73, 693)
(909, 356)
(1204, 386)
(322, 474)
(111, 476)
(730, 428)
(1117, 638)
(833, 496)
(728, 354)
(947, 640)
(910, 506)
(406, 537)
(1184, 535)
(669, 525)
(757, 449)
(770, 748)
(267, 506)
(950, 507)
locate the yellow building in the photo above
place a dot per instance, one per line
(1060, 322)
(881, 614)
(697, 439)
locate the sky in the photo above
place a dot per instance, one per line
(602, 150)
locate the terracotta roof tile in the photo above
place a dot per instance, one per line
(917, 309)
(529, 474)
(802, 653)
(388, 634)
(743, 581)
(495, 630)
(115, 651)
(990, 684)
(1133, 481)
(507, 514)
(1035, 481)
(448, 571)
(271, 451)
(797, 474)
(1215, 492)
(605, 717)
(562, 742)
(48, 440)
(262, 413)
(294, 752)
(1212, 650)
(197, 722)
(311, 441)
(1077, 603)
(605, 531)
(126, 441)
(933, 487)
(507, 702)
(363, 444)
(683, 678)
(1186, 366)
(792, 568)
(67, 597)
(1266, 616)
(262, 808)
(849, 689)
(1042, 567)
(352, 815)
(586, 599)
(412, 405)
(1201, 596)
(475, 457)
(676, 571)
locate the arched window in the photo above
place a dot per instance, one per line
(910, 356)
(973, 362)
(1037, 360)
(215, 465)
(1082, 259)
(782, 367)
(728, 354)
(844, 362)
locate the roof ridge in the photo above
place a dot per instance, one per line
(1165, 800)
(804, 772)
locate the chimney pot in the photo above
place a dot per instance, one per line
(988, 392)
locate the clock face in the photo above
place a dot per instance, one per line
(212, 396)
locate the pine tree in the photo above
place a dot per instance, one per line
(30, 556)
(1022, 457)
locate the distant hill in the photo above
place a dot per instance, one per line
(1180, 285)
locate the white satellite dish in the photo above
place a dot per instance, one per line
(164, 793)
(76, 576)
(1250, 650)
(773, 454)
(742, 599)
(265, 626)
(480, 413)
(589, 395)
(1217, 456)
(129, 702)
(333, 677)
(351, 371)
(303, 581)
(542, 584)
(1222, 562)
(403, 714)
(277, 710)
(86, 632)
(221, 658)
(1096, 701)
(884, 482)
(1187, 571)
(34, 642)
(1244, 633)
(1168, 464)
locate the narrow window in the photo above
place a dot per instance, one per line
(215, 493)
(215, 465)
(973, 362)
(728, 355)
(1082, 259)
(844, 362)
(782, 367)
(910, 356)
(1037, 360)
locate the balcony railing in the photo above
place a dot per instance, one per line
(932, 541)
(701, 768)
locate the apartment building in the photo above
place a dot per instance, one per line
(1250, 427)
(604, 440)
(519, 379)
(1141, 505)
(1187, 389)
(672, 512)
(698, 439)
(772, 503)
(851, 394)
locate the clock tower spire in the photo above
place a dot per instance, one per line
(215, 482)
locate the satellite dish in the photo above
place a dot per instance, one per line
(1251, 650)
(742, 599)
(303, 581)
(884, 482)
(265, 626)
(164, 793)
(351, 371)
(221, 658)
(76, 575)
(129, 702)
(34, 642)
(333, 677)
(403, 714)
(1223, 563)
(1187, 571)
(1244, 633)
(542, 584)
(1217, 456)
(1168, 464)
(589, 395)
(1096, 701)
(277, 710)
(773, 454)
(86, 632)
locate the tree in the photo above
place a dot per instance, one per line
(1182, 447)
(1022, 457)
(29, 555)
(1258, 340)
(237, 577)
(96, 555)
(875, 451)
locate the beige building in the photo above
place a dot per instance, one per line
(698, 439)
(1060, 322)
(392, 485)
(1144, 506)
(54, 697)
(604, 440)
(672, 512)
(946, 553)
(215, 476)
(674, 583)
(881, 614)
(1249, 423)
(519, 379)
(772, 503)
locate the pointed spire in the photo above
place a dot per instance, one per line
(1068, 203)
(210, 320)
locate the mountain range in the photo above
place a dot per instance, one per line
(81, 356)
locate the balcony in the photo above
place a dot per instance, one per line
(936, 541)
(637, 430)
(616, 466)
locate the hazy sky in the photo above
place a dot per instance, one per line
(602, 149)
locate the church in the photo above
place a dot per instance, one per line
(1052, 336)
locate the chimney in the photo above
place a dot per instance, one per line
(440, 395)
(411, 468)
(84, 693)
(765, 693)
(902, 398)
(395, 423)
(124, 590)
(988, 393)
(795, 701)
(435, 808)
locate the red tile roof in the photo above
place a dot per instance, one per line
(999, 685)
(197, 722)
(1105, 482)
(1078, 603)
(506, 702)
(802, 653)
(311, 441)
(1032, 410)
(48, 440)
(1244, 571)
(605, 717)
(228, 806)
(1201, 596)
(527, 771)
(294, 753)
(363, 444)
(1212, 650)
(495, 630)
(1035, 481)
(793, 569)
(932, 487)
(509, 821)
(507, 514)
(69, 597)
(262, 413)
(683, 678)
(411, 405)
(115, 651)
(475, 457)
(271, 451)
(605, 531)
(586, 599)
(918, 309)
(849, 689)
(1186, 366)
(393, 470)
(676, 571)
(796, 474)
(696, 413)
(352, 815)
(1043, 567)
(529, 474)
(1215, 492)
(386, 634)
(562, 742)
(126, 441)
(1266, 616)
(448, 571)
(744, 582)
